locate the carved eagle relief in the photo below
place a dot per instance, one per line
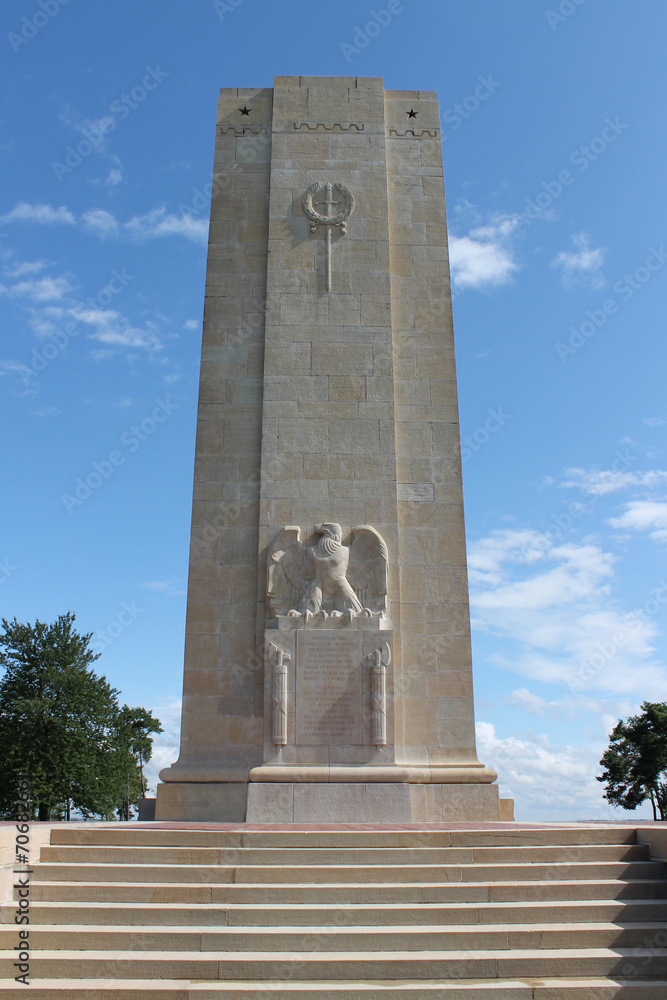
(327, 576)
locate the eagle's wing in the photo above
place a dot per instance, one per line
(287, 562)
(367, 569)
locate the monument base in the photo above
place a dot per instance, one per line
(201, 801)
(371, 802)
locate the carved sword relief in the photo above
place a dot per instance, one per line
(328, 220)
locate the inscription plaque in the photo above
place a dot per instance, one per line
(329, 706)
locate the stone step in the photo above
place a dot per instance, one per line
(371, 893)
(193, 835)
(324, 967)
(131, 989)
(267, 856)
(352, 914)
(351, 939)
(287, 874)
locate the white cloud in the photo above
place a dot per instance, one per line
(532, 703)
(43, 214)
(655, 421)
(100, 222)
(579, 574)
(584, 267)
(550, 608)
(599, 482)
(110, 327)
(25, 267)
(96, 131)
(486, 557)
(40, 289)
(163, 587)
(644, 515)
(191, 324)
(484, 257)
(151, 225)
(547, 781)
(94, 317)
(24, 374)
(158, 223)
(47, 411)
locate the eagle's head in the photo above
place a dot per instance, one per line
(330, 530)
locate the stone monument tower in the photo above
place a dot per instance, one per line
(327, 663)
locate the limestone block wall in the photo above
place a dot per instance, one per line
(437, 696)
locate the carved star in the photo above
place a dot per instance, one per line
(244, 110)
(412, 113)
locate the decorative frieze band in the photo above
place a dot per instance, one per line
(243, 129)
(329, 126)
(414, 133)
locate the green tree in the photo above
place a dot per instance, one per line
(636, 761)
(61, 725)
(133, 747)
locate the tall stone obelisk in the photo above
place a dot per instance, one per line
(327, 667)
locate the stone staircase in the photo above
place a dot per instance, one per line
(491, 912)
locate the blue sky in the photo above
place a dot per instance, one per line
(554, 146)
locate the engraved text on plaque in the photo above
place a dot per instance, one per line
(329, 705)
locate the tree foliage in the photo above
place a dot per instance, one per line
(636, 761)
(61, 725)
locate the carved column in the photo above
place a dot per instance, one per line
(280, 696)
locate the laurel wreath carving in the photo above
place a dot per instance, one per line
(322, 220)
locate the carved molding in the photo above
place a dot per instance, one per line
(329, 126)
(414, 133)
